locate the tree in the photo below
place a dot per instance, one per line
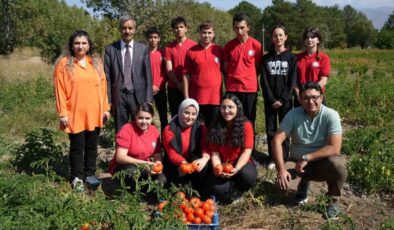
(389, 24)
(385, 38)
(255, 14)
(7, 27)
(359, 30)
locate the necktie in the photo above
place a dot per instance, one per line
(128, 75)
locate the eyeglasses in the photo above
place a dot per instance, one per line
(313, 98)
(229, 107)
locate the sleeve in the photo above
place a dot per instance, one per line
(172, 154)
(104, 91)
(264, 82)
(167, 53)
(259, 51)
(212, 148)
(291, 80)
(334, 125)
(249, 135)
(325, 66)
(123, 138)
(107, 70)
(148, 76)
(287, 123)
(60, 89)
(188, 64)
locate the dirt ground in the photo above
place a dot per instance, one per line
(276, 211)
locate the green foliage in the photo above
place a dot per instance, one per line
(40, 154)
(371, 164)
(385, 39)
(360, 31)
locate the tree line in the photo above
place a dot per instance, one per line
(46, 24)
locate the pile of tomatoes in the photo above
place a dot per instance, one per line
(223, 168)
(194, 211)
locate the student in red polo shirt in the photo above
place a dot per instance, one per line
(231, 141)
(203, 76)
(159, 78)
(138, 143)
(241, 60)
(174, 56)
(313, 65)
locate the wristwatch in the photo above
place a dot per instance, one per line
(305, 157)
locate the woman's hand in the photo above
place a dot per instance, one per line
(234, 171)
(201, 163)
(64, 121)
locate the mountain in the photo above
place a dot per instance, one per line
(378, 16)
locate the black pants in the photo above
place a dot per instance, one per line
(161, 106)
(246, 178)
(198, 180)
(83, 153)
(125, 110)
(175, 98)
(273, 117)
(132, 169)
(248, 101)
(208, 113)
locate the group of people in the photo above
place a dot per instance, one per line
(206, 129)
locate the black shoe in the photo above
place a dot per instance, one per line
(301, 196)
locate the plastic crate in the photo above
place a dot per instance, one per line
(213, 226)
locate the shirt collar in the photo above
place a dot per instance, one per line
(123, 44)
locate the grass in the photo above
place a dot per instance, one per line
(360, 89)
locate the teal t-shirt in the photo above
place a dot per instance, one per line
(308, 135)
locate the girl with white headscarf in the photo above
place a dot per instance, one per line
(184, 140)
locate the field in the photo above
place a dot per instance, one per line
(34, 193)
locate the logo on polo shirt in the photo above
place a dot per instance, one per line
(154, 144)
(217, 60)
(251, 53)
(315, 64)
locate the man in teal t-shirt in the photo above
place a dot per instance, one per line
(316, 139)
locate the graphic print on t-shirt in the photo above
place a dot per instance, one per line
(278, 67)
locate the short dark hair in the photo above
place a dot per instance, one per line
(240, 18)
(152, 30)
(314, 31)
(205, 26)
(145, 107)
(311, 85)
(178, 20)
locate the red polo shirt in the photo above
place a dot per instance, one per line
(157, 64)
(310, 69)
(176, 53)
(203, 66)
(231, 154)
(141, 145)
(241, 61)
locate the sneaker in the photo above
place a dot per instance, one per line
(92, 181)
(238, 200)
(77, 185)
(271, 165)
(301, 196)
(333, 211)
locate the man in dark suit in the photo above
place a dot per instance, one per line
(128, 71)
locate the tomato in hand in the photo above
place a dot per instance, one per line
(186, 168)
(218, 169)
(227, 168)
(157, 168)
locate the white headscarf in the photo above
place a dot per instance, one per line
(186, 103)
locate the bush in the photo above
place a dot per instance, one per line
(41, 154)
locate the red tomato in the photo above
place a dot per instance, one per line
(199, 212)
(186, 168)
(162, 205)
(85, 227)
(195, 202)
(190, 217)
(227, 168)
(206, 206)
(206, 219)
(218, 169)
(197, 220)
(158, 167)
(209, 214)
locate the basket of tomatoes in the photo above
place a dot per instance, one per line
(197, 214)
